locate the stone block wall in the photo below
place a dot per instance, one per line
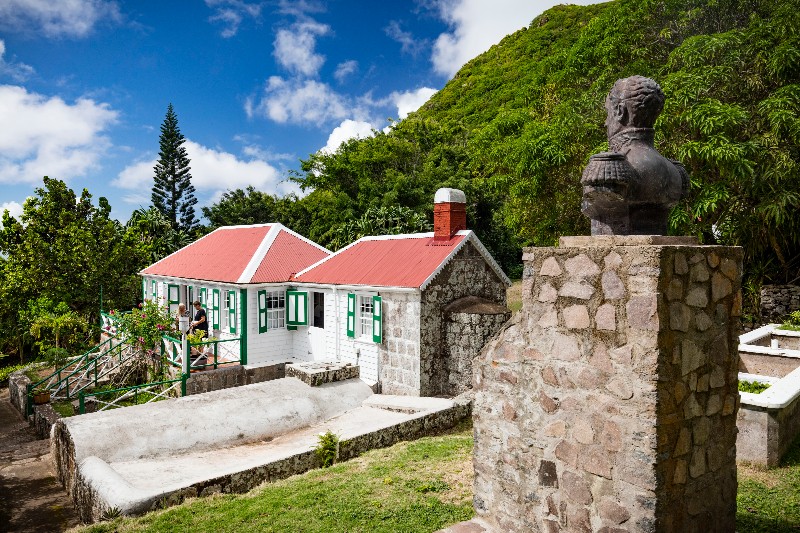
(777, 301)
(466, 332)
(467, 274)
(399, 352)
(609, 402)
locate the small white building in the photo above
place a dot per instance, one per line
(410, 310)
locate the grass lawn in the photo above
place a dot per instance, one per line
(417, 487)
(769, 500)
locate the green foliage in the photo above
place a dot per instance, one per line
(57, 329)
(144, 327)
(755, 387)
(64, 249)
(154, 236)
(6, 371)
(382, 220)
(515, 127)
(173, 192)
(792, 322)
(327, 448)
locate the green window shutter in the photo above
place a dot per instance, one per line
(144, 289)
(203, 297)
(351, 315)
(215, 307)
(191, 297)
(154, 289)
(377, 319)
(297, 308)
(232, 311)
(262, 311)
(173, 297)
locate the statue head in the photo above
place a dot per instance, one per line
(633, 102)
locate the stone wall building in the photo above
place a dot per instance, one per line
(609, 402)
(390, 299)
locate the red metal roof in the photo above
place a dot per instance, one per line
(288, 255)
(389, 261)
(224, 255)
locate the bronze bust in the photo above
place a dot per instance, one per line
(631, 189)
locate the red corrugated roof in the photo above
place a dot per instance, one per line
(224, 255)
(287, 255)
(404, 261)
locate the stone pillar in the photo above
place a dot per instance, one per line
(608, 403)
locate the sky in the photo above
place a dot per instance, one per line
(256, 85)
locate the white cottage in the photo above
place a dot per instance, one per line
(241, 276)
(410, 310)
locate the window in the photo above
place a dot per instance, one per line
(365, 316)
(276, 309)
(318, 317)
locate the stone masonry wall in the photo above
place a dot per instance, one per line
(399, 352)
(466, 334)
(777, 301)
(609, 402)
(467, 274)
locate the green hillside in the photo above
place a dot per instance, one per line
(516, 125)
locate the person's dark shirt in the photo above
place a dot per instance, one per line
(201, 313)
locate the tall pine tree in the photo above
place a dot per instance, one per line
(173, 192)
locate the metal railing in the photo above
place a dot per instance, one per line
(205, 354)
(127, 396)
(81, 372)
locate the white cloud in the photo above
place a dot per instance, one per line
(212, 171)
(409, 101)
(230, 13)
(343, 70)
(478, 24)
(62, 18)
(299, 101)
(409, 45)
(294, 47)
(17, 71)
(47, 136)
(14, 209)
(347, 130)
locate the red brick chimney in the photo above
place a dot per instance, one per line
(449, 213)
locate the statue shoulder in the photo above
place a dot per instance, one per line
(685, 180)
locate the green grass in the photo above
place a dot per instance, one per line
(755, 387)
(416, 487)
(419, 486)
(65, 409)
(769, 500)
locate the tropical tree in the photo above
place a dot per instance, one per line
(65, 249)
(154, 236)
(173, 192)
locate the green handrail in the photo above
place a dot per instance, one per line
(83, 395)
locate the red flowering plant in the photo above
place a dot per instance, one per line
(144, 327)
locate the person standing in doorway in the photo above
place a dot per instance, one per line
(199, 323)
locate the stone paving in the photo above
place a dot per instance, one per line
(31, 499)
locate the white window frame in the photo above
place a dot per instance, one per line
(276, 314)
(364, 317)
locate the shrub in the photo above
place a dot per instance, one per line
(327, 448)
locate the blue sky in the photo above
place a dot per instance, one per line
(84, 84)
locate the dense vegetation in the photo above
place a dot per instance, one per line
(513, 129)
(516, 125)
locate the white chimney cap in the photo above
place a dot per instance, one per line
(450, 196)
